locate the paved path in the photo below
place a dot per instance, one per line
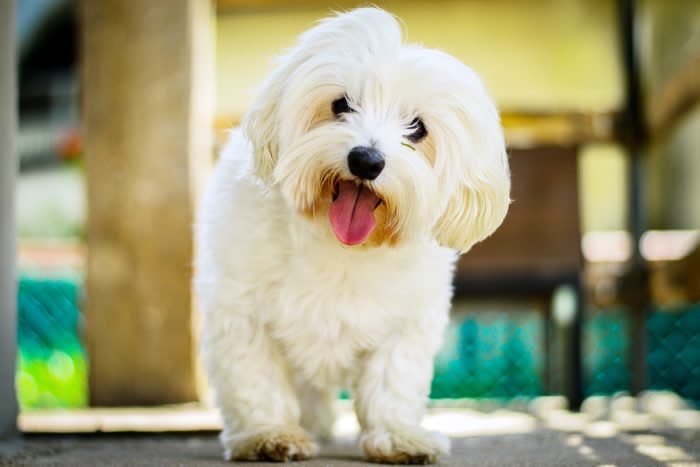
(655, 430)
(543, 447)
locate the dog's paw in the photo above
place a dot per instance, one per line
(278, 444)
(404, 446)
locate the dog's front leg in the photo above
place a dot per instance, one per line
(390, 397)
(259, 409)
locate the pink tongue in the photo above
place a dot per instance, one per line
(352, 213)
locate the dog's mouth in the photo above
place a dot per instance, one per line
(352, 211)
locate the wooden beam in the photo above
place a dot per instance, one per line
(230, 5)
(532, 129)
(672, 259)
(674, 98)
(8, 171)
(147, 79)
(523, 129)
(676, 283)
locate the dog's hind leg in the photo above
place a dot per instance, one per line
(259, 408)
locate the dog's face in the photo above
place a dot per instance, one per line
(380, 142)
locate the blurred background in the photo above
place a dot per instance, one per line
(591, 287)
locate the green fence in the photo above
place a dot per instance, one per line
(673, 360)
(491, 354)
(487, 353)
(605, 347)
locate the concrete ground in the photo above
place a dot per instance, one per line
(540, 448)
(657, 430)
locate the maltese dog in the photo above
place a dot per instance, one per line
(328, 235)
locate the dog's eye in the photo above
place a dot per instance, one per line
(341, 106)
(418, 130)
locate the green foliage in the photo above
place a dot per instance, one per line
(59, 381)
(51, 366)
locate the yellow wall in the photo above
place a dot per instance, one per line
(533, 55)
(602, 183)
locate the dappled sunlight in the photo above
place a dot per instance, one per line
(601, 430)
(564, 420)
(645, 449)
(686, 420)
(657, 448)
(458, 423)
(455, 423)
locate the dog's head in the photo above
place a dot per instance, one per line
(378, 141)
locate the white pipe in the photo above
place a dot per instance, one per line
(8, 171)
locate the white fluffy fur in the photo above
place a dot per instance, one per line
(290, 314)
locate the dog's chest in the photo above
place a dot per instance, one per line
(326, 318)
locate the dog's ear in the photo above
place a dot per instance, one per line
(472, 214)
(477, 177)
(260, 125)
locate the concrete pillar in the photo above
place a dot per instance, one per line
(147, 85)
(8, 171)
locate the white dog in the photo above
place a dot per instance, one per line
(327, 239)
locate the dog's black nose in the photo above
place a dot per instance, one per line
(365, 162)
